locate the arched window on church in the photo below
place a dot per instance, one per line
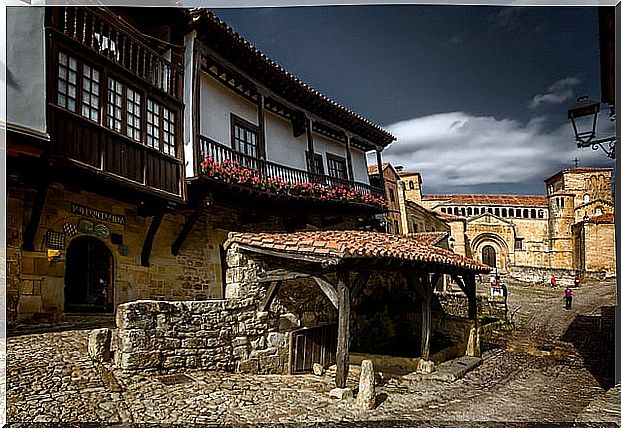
(411, 184)
(586, 198)
(511, 212)
(490, 210)
(541, 214)
(533, 213)
(518, 212)
(504, 212)
(469, 211)
(450, 210)
(476, 211)
(497, 211)
(598, 211)
(443, 209)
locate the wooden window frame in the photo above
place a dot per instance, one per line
(79, 84)
(237, 121)
(318, 162)
(339, 159)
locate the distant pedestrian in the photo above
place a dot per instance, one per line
(568, 298)
(577, 280)
(553, 281)
(492, 285)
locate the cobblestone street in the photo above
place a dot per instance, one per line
(539, 372)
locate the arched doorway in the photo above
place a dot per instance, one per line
(88, 276)
(488, 256)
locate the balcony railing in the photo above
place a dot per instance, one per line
(220, 153)
(96, 31)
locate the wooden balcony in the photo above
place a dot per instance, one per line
(115, 41)
(86, 144)
(264, 171)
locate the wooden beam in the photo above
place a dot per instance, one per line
(281, 275)
(148, 239)
(472, 296)
(361, 280)
(185, 231)
(261, 114)
(35, 216)
(425, 342)
(269, 296)
(435, 280)
(328, 290)
(380, 170)
(342, 342)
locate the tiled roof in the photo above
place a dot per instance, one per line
(372, 169)
(353, 245)
(294, 84)
(429, 238)
(604, 218)
(515, 200)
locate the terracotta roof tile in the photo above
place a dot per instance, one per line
(604, 218)
(359, 244)
(523, 200)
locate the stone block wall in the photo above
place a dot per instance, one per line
(456, 305)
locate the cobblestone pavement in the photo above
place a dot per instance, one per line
(51, 379)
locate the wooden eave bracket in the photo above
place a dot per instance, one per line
(185, 230)
(148, 239)
(35, 216)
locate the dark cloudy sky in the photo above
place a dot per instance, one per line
(477, 96)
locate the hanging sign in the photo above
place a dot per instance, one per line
(99, 215)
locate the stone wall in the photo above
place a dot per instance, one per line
(456, 304)
(599, 248)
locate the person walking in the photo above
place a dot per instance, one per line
(553, 281)
(577, 280)
(568, 298)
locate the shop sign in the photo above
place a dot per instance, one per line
(97, 214)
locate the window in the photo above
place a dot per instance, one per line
(133, 115)
(392, 195)
(504, 212)
(168, 131)
(67, 81)
(541, 214)
(518, 243)
(469, 211)
(586, 198)
(497, 212)
(511, 212)
(245, 137)
(411, 184)
(114, 114)
(153, 124)
(533, 213)
(90, 93)
(598, 211)
(318, 159)
(443, 210)
(336, 166)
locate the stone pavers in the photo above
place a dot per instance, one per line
(51, 379)
(605, 408)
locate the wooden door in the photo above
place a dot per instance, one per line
(313, 345)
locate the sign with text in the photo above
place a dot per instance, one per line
(99, 215)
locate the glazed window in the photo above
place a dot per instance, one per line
(168, 131)
(337, 167)
(318, 159)
(153, 124)
(114, 116)
(90, 93)
(519, 243)
(245, 137)
(133, 115)
(67, 82)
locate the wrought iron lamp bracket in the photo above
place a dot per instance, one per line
(606, 144)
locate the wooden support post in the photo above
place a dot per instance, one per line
(311, 147)
(342, 344)
(185, 231)
(261, 114)
(380, 170)
(470, 283)
(35, 216)
(269, 296)
(425, 342)
(148, 239)
(350, 167)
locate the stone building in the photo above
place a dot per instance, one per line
(139, 138)
(406, 216)
(570, 230)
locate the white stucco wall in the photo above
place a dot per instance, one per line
(25, 68)
(217, 104)
(281, 146)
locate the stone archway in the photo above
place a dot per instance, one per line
(491, 247)
(89, 276)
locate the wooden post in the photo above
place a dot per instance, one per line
(148, 240)
(471, 292)
(350, 167)
(311, 147)
(261, 111)
(426, 318)
(380, 170)
(35, 216)
(342, 344)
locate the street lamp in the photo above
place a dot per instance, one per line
(583, 117)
